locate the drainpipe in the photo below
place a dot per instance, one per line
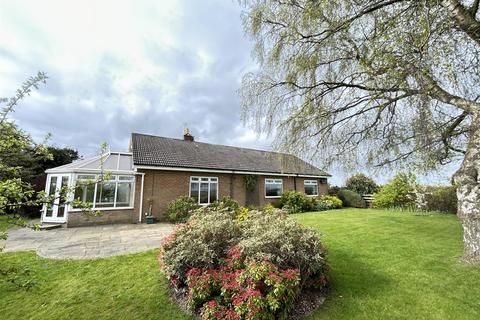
(141, 198)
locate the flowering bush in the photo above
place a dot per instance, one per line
(243, 290)
(243, 269)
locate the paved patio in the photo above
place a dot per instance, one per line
(87, 242)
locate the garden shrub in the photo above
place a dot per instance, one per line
(321, 206)
(268, 208)
(180, 209)
(242, 214)
(249, 269)
(199, 243)
(333, 191)
(361, 184)
(436, 198)
(398, 193)
(243, 290)
(225, 203)
(284, 242)
(295, 202)
(332, 201)
(351, 199)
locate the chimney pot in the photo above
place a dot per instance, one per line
(186, 135)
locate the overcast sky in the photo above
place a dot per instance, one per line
(117, 67)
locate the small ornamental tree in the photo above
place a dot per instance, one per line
(361, 184)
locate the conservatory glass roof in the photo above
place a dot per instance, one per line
(112, 161)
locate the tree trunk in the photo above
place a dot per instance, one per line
(467, 180)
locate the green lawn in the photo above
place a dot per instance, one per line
(385, 265)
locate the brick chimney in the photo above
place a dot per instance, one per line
(186, 135)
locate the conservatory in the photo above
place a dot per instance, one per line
(114, 192)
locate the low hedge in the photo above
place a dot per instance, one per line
(351, 199)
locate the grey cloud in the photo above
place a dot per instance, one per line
(206, 102)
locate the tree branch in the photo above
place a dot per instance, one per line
(464, 18)
(438, 93)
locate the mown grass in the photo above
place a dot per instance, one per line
(385, 265)
(391, 265)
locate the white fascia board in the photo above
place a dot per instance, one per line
(90, 171)
(141, 167)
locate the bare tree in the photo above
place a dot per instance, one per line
(384, 82)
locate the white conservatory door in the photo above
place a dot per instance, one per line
(57, 211)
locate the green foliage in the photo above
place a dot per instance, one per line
(326, 92)
(364, 277)
(200, 243)
(332, 202)
(351, 199)
(242, 214)
(284, 242)
(243, 290)
(250, 182)
(295, 202)
(322, 206)
(361, 184)
(268, 208)
(205, 242)
(399, 192)
(333, 190)
(59, 157)
(180, 209)
(227, 203)
(437, 198)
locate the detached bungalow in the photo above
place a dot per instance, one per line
(158, 170)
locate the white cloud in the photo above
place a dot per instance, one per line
(122, 66)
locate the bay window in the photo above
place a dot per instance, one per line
(204, 190)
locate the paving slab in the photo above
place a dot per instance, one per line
(87, 242)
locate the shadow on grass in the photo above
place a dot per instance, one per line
(350, 274)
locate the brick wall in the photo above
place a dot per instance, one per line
(78, 219)
(161, 187)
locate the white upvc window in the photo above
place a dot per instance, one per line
(273, 188)
(116, 192)
(311, 187)
(204, 190)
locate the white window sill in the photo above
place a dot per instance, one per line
(312, 195)
(273, 197)
(102, 209)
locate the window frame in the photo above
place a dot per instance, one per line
(198, 180)
(311, 183)
(275, 181)
(114, 178)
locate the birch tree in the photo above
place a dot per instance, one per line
(381, 82)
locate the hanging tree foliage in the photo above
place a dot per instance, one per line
(380, 82)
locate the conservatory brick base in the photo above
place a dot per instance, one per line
(78, 219)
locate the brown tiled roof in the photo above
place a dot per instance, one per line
(168, 152)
